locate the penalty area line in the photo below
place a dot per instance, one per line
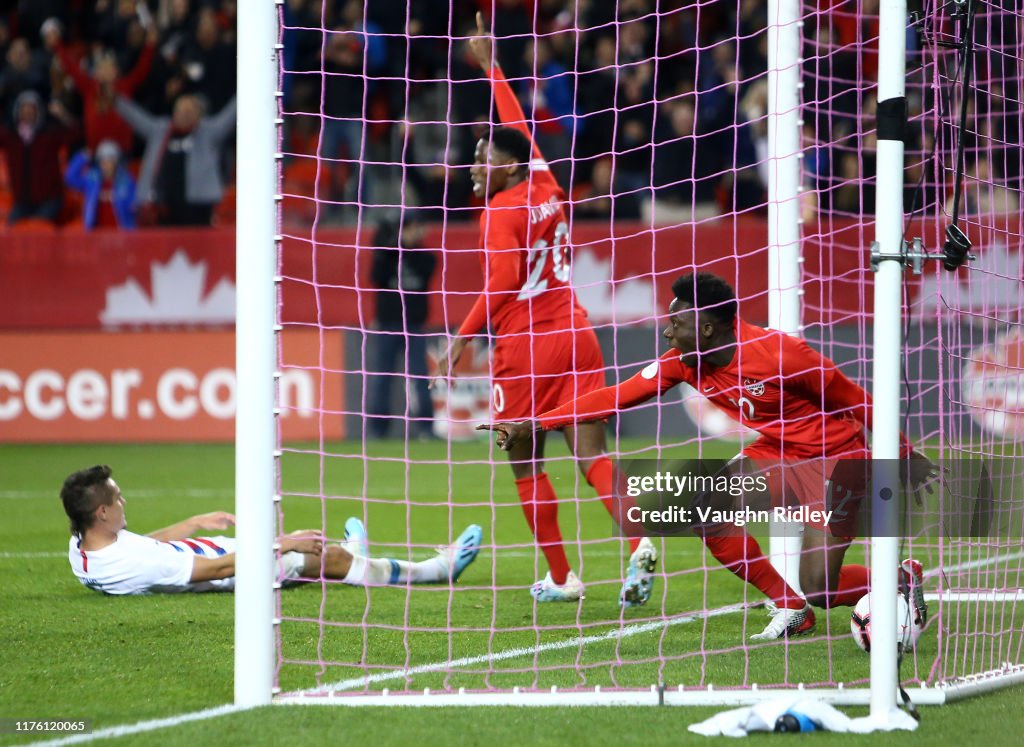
(140, 727)
(516, 653)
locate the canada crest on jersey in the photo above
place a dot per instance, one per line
(754, 388)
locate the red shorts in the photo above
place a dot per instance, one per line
(532, 373)
(828, 484)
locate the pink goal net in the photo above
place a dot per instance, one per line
(653, 118)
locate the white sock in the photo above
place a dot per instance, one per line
(390, 572)
(433, 571)
(356, 571)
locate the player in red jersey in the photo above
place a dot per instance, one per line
(803, 407)
(546, 351)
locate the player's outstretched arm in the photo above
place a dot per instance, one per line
(305, 541)
(212, 569)
(215, 521)
(595, 405)
(308, 542)
(510, 434)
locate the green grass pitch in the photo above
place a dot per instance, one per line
(69, 652)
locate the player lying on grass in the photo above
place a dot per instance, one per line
(803, 407)
(546, 351)
(106, 557)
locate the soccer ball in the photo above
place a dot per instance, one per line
(908, 626)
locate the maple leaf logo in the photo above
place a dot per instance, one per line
(177, 296)
(608, 300)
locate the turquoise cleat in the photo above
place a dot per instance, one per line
(355, 538)
(459, 555)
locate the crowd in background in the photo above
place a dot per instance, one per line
(116, 113)
(121, 112)
(640, 106)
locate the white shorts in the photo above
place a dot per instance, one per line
(289, 568)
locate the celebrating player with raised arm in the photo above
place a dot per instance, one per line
(802, 406)
(106, 557)
(546, 351)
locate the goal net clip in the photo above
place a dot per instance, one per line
(955, 251)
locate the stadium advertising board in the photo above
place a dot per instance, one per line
(153, 386)
(105, 279)
(993, 385)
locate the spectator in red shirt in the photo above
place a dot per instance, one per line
(102, 122)
(33, 149)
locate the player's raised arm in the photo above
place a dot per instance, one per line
(509, 111)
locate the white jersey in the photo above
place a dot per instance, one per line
(136, 564)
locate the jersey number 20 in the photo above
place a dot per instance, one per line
(538, 258)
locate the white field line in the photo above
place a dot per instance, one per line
(592, 554)
(516, 653)
(112, 732)
(27, 555)
(972, 564)
(501, 553)
(587, 554)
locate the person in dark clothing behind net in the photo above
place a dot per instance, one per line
(402, 269)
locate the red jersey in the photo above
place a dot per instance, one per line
(526, 257)
(102, 121)
(796, 399)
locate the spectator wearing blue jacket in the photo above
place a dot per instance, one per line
(107, 186)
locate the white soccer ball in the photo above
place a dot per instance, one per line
(908, 626)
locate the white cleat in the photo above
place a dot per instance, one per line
(640, 576)
(547, 590)
(786, 623)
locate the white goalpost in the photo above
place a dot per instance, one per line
(784, 259)
(256, 475)
(888, 350)
(258, 635)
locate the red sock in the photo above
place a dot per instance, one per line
(601, 477)
(853, 584)
(540, 506)
(743, 556)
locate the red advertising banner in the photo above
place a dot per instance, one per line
(622, 273)
(155, 386)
